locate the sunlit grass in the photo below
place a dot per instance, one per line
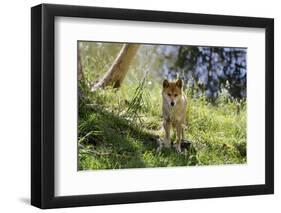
(116, 131)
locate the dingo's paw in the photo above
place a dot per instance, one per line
(178, 148)
(167, 143)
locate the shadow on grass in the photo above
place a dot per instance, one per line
(111, 141)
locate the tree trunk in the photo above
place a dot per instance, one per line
(118, 70)
(81, 77)
(80, 71)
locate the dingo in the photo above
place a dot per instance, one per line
(174, 111)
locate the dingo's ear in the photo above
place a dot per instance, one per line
(179, 83)
(165, 83)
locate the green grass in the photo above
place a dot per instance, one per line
(121, 129)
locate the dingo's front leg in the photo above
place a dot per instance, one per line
(167, 127)
(179, 137)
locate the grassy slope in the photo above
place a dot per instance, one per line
(120, 129)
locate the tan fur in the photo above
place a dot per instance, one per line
(174, 111)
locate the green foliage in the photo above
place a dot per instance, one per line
(121, 129)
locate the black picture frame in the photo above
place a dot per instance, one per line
(43, 102)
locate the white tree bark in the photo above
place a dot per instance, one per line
(118, 70)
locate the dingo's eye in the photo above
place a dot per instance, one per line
(169, 94)
(176, 95)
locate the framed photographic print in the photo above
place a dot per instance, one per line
(139, 106)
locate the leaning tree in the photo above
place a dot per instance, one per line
(118, 70)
